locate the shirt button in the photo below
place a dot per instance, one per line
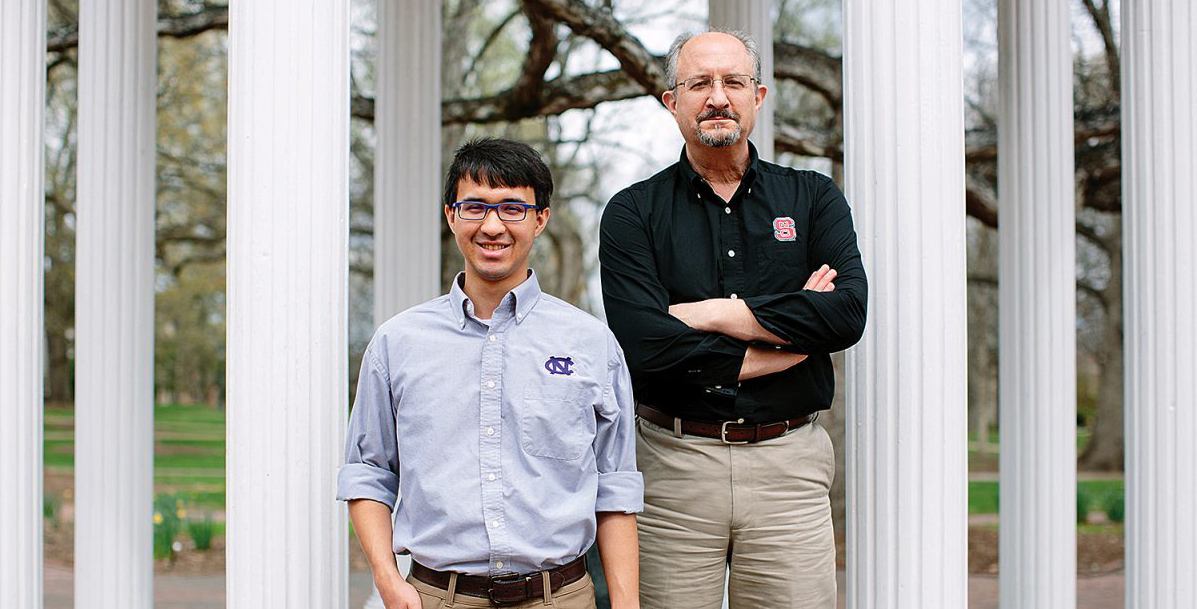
(490, 477)
(731, 253)
(494, 524)
(490, 384)
(499, 564)
(490, 431)
(491, 338)
(727, 210)
(733, 296)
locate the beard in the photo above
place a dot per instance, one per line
(723, 137)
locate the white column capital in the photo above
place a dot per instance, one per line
(906, 386)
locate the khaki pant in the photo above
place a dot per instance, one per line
(576, 595)
(759, 511)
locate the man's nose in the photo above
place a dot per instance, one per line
(491, 224)
(718, 96)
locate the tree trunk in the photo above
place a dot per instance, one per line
(59, 387)
(1105, 450)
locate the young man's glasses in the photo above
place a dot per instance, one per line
(704, 84)
(476, 210)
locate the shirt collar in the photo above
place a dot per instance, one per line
(696, 181)
(525, 296)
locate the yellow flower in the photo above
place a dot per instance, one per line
(182, 514)
(179, 503)
(157, 518)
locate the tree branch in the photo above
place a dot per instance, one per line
(599, 26)
(177, 26)
(1101, 20)
(816, 70)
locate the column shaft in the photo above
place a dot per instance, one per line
(287, 303)
(906, 386)
(1159, 153)
(755, 18)
(407, 165)
(1037, 306)
(22, 214)
(114, 305)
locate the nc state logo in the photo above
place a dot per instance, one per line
(783, 229)
(559, 365)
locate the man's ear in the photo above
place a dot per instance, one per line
(450, 218)
(669, 98)
(542, 220)
(761, 91)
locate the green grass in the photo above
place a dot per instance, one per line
(983, 495)
(189, 457)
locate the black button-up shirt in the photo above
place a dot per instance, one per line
(671, 239)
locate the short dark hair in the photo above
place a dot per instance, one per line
(500, 162)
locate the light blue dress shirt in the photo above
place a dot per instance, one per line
(503, 436)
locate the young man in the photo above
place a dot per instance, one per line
(501, 415)
(703, 269)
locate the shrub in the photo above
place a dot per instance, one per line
(168, 513)
(1083, 500)
(1114, 506)
(52, 509)
(201, 532)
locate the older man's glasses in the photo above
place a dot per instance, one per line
(507, 211)
(705, 84)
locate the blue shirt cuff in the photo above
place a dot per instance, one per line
(365, 481)
(620, 492)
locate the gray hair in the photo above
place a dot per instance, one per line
(675, 49)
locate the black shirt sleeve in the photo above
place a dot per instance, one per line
(822, 322)
(637, 304)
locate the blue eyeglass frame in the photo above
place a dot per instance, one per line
(495, 206)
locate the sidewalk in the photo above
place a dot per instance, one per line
(1103, 591)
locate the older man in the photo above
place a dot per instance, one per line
(729, 281)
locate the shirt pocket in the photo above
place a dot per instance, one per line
(556, 423)
(782, 254)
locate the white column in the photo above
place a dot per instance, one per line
(114, 304)
(1159, 154)
(753, 17)
(408, 210)
(906, 389)
(22, 214)
(1037, 306)
(287, 310)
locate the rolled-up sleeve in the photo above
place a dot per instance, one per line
(620, 485)
(371, 469)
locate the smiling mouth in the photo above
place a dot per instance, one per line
(494, 247)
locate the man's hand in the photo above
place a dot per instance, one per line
(821, 280)
(396, 593)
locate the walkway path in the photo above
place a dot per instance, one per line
(207, 591)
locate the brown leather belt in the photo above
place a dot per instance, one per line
(729, 432)
(504, 588)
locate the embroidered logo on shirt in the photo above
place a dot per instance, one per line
(559, 365)
(783, 229)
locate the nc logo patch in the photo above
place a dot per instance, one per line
(783, 229)
(559, 365)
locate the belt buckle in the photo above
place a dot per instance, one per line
(723, 434)
(505, 578)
